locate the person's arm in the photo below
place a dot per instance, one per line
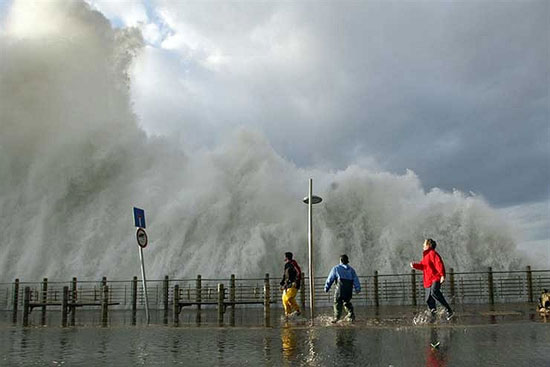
(330, 279)
(417, 266)
(439, 267)
(356, 283)
(284, 276)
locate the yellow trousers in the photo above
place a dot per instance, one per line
(289, 300)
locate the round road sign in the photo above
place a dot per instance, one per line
(141, 238)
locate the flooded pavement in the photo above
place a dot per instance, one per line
(505, 335)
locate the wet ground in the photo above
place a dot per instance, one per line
(504, 335)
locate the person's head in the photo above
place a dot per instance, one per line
(344, 259)
(429, 243)
(288, 256)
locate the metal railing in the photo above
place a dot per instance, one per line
(377, 290)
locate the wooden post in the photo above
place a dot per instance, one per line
(103, 282)
(221, 294)
(15, 300)
(134, 300)
(74, 297)
(413, 286)
(365, 290)
(232, 299)
(490, 285)
(376, 300)
(44, 300)
(64, 306)
(165, 297)
(303, 292)
(105, 306)
(267, 300)
(198, 297)
(26, 306)
(529, 284)
(198, 292)
(176, 297)
(452, 284)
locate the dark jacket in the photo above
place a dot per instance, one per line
(291, 275)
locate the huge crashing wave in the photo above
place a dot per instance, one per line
(74, 161)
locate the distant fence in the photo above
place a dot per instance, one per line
(377, 290)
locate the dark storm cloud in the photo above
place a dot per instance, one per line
(457, 92)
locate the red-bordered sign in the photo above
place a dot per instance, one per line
(141, 237)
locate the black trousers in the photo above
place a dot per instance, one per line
(342, 298)
(434, 293)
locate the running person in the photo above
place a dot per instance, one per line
(290, 285)
(434, 274)
(346, 279)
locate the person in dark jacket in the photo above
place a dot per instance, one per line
(346, 279)
(434, 274)
(290, 285)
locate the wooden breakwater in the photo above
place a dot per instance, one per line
(172, 296)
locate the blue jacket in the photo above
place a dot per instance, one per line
(342, 271)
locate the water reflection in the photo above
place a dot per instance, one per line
(289, 342)
(437, 351)
(345, 343)
(221, 341)
(267, 351)
(312, 358)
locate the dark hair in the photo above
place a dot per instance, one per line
(431, 242)
(344, 259)
(288, 255)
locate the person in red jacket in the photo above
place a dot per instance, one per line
(434, 274)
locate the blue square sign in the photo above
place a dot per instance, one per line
(139, 217)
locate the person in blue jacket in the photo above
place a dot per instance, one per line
(346, 279)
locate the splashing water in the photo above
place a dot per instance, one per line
(74, 162)
(426, 317)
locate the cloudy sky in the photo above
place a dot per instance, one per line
(458, 92)
(455, 91)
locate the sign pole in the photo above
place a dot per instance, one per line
(310, 251)
(141, 236)
(144, 284)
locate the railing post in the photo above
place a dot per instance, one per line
(15, 300)
(303, 292)
(176, 305)
(267, 300)
(232, 299)
(105, 306)
(26, 306)
(64, 306)
(74, 297)
(413, 286)
(134, 300)
(529, 284)
(198, 297)
(44, 300)
(103, 282)
(490, 284)
(452, 284)
(221, 294)
(365, 290)
(165, 297)
(376, 301)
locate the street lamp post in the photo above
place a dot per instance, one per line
(310, 200)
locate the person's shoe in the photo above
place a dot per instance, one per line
(335, 320)
(450, 315)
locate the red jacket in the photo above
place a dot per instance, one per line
(432, 266)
